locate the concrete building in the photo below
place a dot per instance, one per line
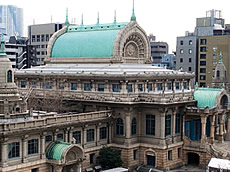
(107, 95)
(39, 36)
(158, 49)
(11, 20)
(168, 61)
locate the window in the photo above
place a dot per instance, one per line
(181, 51)
(177, 85)
(33, 38)
(13, 150)
(43, 38)
(120, 127)
(202, 70)
(61, 86)
(73, 86)
(91, 158)
(169, 86)
(77, 136)
(129, 88)
(87, 87)
(134, 154)
(32, 146)
(202, 77)
(90, 135)
(48, 85)
(140, 87)
(116, 88)
(179, 152)
(189, 69)
(134, 127)
(203, 49)
(202, 56)
(103, 132)
(202, 63)
(178, 123)
(38, 38)
(218, 74)
(60, 137)
(9, 76)
(190, 51)
(185, 85)
(181, 42)
(101, 87)
(190, 60)
(202, 84)
(33, 84)
(150, 87)
(203, 41)
(190, 42)
(23, 84)
(159, 87)
(167, 125)
(181, 60)
(47, 37)
(48, 138)
(170, 155)
(150, 125)
(34, 170)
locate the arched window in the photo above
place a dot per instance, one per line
(9, 76)
(150, 125)
(218, 74)
(134, 127)
(120, 126)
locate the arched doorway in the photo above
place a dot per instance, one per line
(193, 159)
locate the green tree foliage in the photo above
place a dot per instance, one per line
(109, 158)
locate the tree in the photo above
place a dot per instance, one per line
(109, 158)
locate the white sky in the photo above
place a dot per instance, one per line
(166, 19)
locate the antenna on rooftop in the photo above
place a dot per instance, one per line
(51, 19)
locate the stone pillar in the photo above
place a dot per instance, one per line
(84, 140)
(24, 148)
(203, 128)
(42, 146)
(70, 135)
(65, 135)
(4, 153)
(162, 129)
(79, 167)
(183, 127)
(123, 87)
(228, 127)
(57, 168)
(97, 138)
(173, 125)
(221, 132)
(212, 129)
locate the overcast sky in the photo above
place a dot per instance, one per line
(166, 19)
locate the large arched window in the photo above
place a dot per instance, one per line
(9, 76)
(120, 127)
(134, 127)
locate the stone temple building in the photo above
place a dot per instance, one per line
(99, 80)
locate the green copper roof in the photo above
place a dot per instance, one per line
(89, 41)
(56, 150)
(206, 97)
(2, 48)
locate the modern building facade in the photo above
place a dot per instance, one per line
(39, 36)
(168, 61)
(108, 95)
(11, 20)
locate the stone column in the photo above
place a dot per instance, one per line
(97, 133)
(228, 127)
(203, 128)
(79, 167)
(183, 127)
(24, 148)
(162, 129)
(70, 135)
(221, 132)
(4, 153)
(84, 140)
(123, 87)
(212, 129)
(42, 146)
(128, 126)
(173, 125)
(65, 135)
(57, 168)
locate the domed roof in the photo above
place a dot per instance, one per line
(91, 41)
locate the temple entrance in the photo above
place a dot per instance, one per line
(193, 159)
(150, 160)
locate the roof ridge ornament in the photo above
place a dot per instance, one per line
(220, 58)
(66, 19)
(3, 48)
(115, 17)
(82, 23)
(97, 17)
(133, 17)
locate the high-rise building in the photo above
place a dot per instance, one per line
(11, 20)
(39, 36)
